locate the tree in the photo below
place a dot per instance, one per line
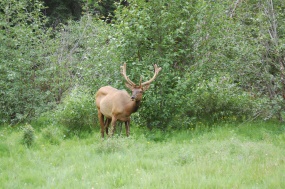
(261, 22)
(20, 58)
(40, 65)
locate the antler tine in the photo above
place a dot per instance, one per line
(156, 71)
(123, 72)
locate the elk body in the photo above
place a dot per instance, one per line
(117, 105)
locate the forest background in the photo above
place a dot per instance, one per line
(222, 60)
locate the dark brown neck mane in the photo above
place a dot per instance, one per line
(137, 105)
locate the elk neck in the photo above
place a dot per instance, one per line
(135, 105)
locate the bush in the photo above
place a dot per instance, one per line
(219, 99)
(77, 111)
(52, 134)
(28, 136)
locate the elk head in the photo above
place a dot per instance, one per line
(137, 90)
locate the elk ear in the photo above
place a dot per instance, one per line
(144, 88)
(129, 86)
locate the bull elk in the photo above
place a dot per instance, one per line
(117, 105)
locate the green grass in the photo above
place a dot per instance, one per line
(228, 156)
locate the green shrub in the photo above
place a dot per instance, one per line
(77, 111)
(52, 134)
(219, 99)
(28, 136)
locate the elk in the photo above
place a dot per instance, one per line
(117, 105)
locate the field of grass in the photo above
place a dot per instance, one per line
(227, 156)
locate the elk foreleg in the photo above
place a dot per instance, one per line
(113, 126)
(127, 124)
(120, 131)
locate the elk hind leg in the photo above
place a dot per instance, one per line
(107, 123)
(101, 120)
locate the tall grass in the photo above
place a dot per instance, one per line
(246, 156)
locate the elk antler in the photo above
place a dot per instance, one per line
(123, 72)
(156, 71)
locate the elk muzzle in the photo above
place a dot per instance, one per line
(136, 94)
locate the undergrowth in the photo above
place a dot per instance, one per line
(250, 155)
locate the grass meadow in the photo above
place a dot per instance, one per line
(250, 155)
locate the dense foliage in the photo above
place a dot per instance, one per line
(221, 60)
(200, 44)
